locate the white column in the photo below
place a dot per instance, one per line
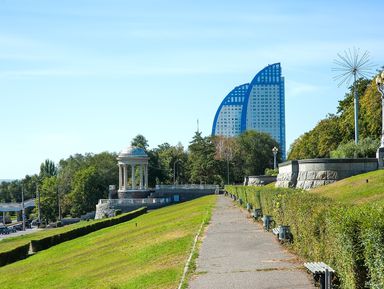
(120, 178)
(146, 176)
(141, 176)
(125, 170)
(133, 176)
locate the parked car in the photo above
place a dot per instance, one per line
(4, 230)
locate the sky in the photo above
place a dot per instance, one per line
(81, 76)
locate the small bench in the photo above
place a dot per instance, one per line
(322, 274)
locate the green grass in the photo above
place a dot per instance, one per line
(149, 255)
(356, 190)
(13, 242)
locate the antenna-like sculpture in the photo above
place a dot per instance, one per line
(352, 64)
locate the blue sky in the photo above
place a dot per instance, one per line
(87, 76)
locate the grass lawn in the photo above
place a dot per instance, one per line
(149, 255)
(356, 190)
(13, 242)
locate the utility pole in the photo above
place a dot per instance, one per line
(58, 202)
(22, 207)
(38, 205)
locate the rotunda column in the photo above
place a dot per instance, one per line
(141, 176)
(125, 169)
(146, 176)
(120, 178)
(133, 176)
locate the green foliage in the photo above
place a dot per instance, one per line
(48, 169)
(271, 172)
(52, 240)
(253, 152)
(14, 254)
(339, 129)
(366, 148)
(49, 199)
(140, 141)
(203, 166)
(348, 238)
(87, 190)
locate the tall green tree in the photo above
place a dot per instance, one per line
(48, 169)
(140, 141)
(253, 153)
(86, 192)
(202, 163)
(49, 199)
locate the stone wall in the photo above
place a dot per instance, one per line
(258, 180)
(288, 173)
(312, 173)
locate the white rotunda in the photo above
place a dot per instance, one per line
(132, 159)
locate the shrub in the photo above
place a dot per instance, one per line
(348, 238)
(14, 255)
(47, 242)
(366, 148)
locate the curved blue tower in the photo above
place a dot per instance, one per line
(259, 105)
(228, 116)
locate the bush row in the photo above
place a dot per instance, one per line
(22, 252)
(47, 242)
(14, 255)
(348, 238)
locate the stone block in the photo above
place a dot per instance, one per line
(327, 182)
(318, 183)
(308, 185)
(321, 175)
(300, 184)
(332, 175)
(311, 175)
(302, 176)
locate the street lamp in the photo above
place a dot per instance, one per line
(274, 150)
(380, 88)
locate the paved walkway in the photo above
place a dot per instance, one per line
(237, 253)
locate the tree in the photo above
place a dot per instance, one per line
(48, 169)
(86, 192)
(140, 141)
(202, 163)
(225, 148)
(337, 130)
(49, 199)
(253, 153)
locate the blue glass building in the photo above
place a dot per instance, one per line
(258, 105)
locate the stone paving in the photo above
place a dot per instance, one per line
(236, 253)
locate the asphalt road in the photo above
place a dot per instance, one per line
(237, 253)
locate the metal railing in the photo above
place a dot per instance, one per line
(189, 187)
(128, 202)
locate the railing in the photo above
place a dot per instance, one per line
(188, 187)
(127, 202)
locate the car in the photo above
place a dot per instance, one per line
(4, 230)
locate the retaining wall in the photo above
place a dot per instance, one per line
(312, 173)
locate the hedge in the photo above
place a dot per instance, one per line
(14, 255)
(348, 238)
(47, 242)
(22, 251)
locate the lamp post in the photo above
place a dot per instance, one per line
(380, 88)
(22, 207)
(174, 171)
(275, 150)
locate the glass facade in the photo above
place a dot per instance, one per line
(258, 105)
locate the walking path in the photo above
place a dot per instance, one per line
(237, 254)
